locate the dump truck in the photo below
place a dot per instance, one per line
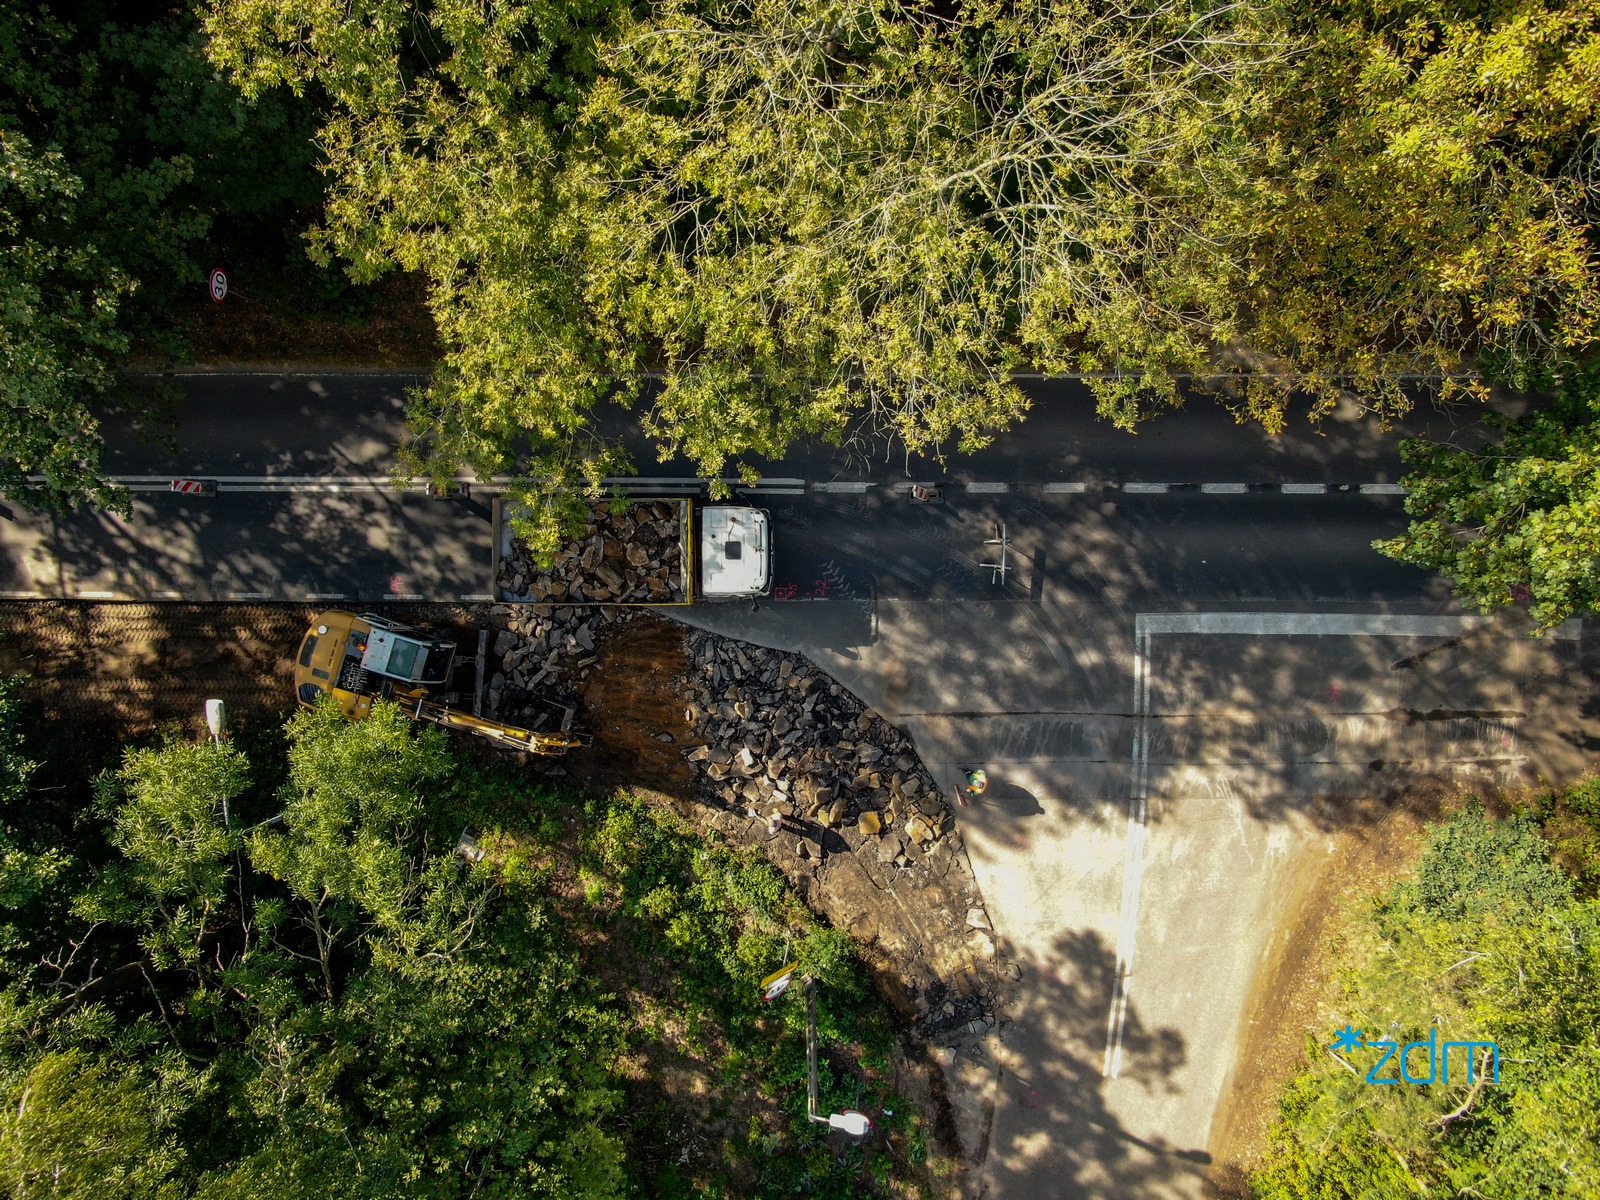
(362, 658)
(657, 551)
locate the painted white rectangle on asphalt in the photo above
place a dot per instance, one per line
(758, 492)
(1304, 489)
(97, 595)
(1067, 489)
(988, 487)
(1382, 489)
(250, 595)
(1145, 489)
(844, 486)
(1224, 489)
(478, 598)
(327, 596)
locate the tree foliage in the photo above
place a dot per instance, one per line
(1517, 519)
(1487, 943)
(266, 974)
(818, 217)
(120, 147)
(323, 1006)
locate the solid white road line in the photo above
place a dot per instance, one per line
(1283, 624)
(1133, 865)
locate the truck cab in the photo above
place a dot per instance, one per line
(735, 552)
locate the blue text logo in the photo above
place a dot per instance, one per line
(1349, 1039)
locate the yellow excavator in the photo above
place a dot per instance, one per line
(359, 658)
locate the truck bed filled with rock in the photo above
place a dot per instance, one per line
(635, 557)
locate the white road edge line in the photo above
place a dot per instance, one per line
(1133, 867)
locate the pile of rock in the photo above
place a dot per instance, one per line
(788, 744)
(837, 797)
(632, 558)
(545, 651)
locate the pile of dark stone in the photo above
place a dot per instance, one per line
(789, 745)
(631, 558)
(838, 798)
(544, 652)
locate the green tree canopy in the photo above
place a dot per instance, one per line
(120, 146)
(1487, 943)
(816, 217)
(1516, 519)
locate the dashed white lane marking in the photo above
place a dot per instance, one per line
(1325, 624)
(327, 595)
(1144, 489)
(1303, 489)
(1382, 489)
(404, 596)
(1224, 489)
(97, 595)
(252, 596)
(988, 487)
(1069, 489)
(841, 486)
(478, 597)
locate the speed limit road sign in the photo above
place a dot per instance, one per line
(219, 284)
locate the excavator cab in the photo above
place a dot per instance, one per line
(360, 658)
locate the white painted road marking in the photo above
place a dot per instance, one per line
(1071, 489)
(1144, 489)
(1133, 866)
(988, 487)
(1382, 489)
(842, 486)
(1145, 627)
(1224, 489)
(1303, 489)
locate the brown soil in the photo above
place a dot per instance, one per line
(1330, 880)
(262, 328)
(629, 698)
(136, 666)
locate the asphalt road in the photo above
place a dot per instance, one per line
(1173, 686)
(1194, 506)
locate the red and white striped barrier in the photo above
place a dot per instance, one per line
(195, 487)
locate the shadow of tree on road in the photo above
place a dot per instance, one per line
(1053, 1133)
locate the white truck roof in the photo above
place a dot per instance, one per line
(735, 552)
